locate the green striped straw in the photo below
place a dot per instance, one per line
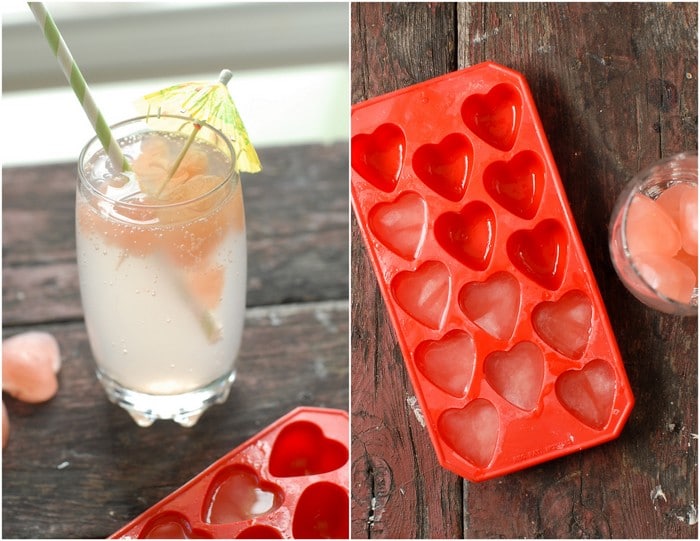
(77, 82)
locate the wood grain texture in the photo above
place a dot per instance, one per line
(77, 466)
(297, 227)
(616, 89)
(399, 491)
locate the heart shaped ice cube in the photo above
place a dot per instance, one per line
(588, 394)
(424, 293)
(472, 431)
(449, 362)
(565, 325)
(237, 493)
(517, 374)
(401, 225)
(493, 304)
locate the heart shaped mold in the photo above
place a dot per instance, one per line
(468, 235)
(494, 117)
(401, 225)
(517, 374)
(238, 497)
(378, 156)
(517, 185)
(565, 325)
(301, 448)
(449, 362)
(472, 431)
(493, 305)
(322, 513)
(171, 525)
(424, 293)
(260, 531)
(444, 167)
(540, 254)
(237, 493)
(588, 394)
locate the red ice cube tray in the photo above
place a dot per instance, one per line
(288, 481)
(502, 328)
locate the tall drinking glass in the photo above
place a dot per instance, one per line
(162, 264)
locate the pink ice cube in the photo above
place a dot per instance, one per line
(566, 324)
(689, 220)
(517, 374)
(472, 431)
(30, 362)
(667, 275)
(589, 393)
(493, 305)
(650, 228)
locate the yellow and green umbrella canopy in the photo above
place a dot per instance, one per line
(210, 103)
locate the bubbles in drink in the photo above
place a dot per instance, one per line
(164, 256)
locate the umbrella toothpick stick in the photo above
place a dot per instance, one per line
(77, 82)
(210, 103)
(224, 77)
(178, 160)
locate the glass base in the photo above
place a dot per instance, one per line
(185, 409)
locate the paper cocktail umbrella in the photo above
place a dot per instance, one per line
(210, 103)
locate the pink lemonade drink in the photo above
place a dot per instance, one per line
(654, 235)
(162, 266)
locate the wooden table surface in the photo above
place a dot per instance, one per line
(616, 88)
(78, 466)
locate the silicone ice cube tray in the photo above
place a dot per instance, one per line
(502, 328)
(288, 481)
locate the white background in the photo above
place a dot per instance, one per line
(290, 63)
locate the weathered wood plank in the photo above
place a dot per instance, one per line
(294, 351)
(394, 46)
(297, 218)
(399, 491)
(78, 467)
(616, 88)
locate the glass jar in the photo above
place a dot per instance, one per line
(653, 235)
